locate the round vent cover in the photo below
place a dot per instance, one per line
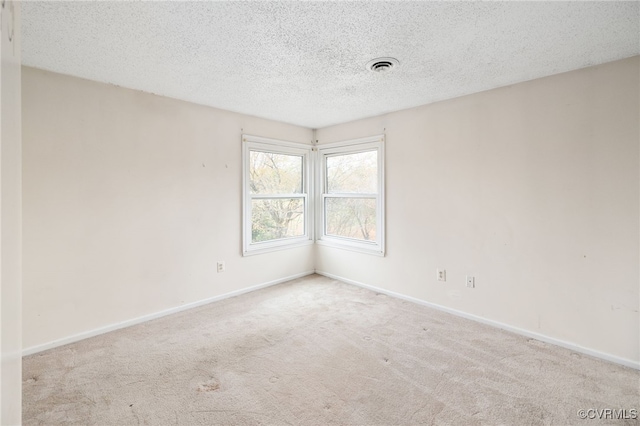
(382, 64)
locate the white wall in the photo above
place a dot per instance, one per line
(533, 189)
(129, 201)
(10, 219)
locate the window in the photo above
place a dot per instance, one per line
(276, 211)
(351, 195)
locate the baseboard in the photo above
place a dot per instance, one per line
(91, 333)
(497, 324)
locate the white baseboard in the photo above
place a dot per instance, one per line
(91, 333)
(523, 332)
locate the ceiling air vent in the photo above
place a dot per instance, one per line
(382, 64)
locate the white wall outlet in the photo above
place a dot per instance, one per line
(471, 281)
(442, 275)
(221, 266)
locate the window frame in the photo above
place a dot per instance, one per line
(353, 146)
(261, 144)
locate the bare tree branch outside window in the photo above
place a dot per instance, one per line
(352, 217)
(274, 174)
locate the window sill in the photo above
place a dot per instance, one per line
(269, 249)
(374, 249)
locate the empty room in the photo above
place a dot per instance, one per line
(313, 213)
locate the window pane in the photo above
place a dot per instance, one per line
(272, 173)
(272, 219)
(351, 218)
(353, 173)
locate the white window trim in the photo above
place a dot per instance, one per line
(250, 142)
(351, 146)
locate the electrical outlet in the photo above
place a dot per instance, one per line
(221, 266)
(471, 282)
(442, 275)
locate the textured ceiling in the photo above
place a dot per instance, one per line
(304, 62)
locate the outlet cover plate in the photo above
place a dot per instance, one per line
(471, 282)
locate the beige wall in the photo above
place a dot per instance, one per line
(533, 189)
(129, 201)
(10, 219)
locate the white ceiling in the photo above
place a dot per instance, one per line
(304, 62)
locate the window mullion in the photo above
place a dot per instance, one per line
(354, 195)
(275, 196)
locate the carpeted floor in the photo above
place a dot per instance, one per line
(315, 351)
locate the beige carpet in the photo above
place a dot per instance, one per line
(315, 351)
